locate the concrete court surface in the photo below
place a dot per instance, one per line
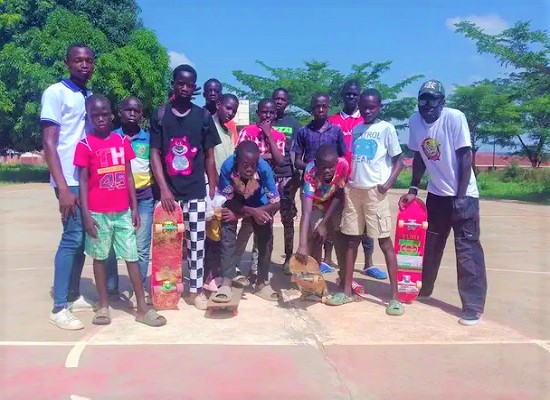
(291, 350)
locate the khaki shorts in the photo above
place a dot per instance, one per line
(366, 211)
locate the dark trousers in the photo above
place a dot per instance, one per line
(470, 261)
(263, 234)
(288, 186)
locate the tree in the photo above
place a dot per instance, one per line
(34, 59)
(316, 76)
(527, 51)
(491, 113)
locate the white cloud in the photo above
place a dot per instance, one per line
(178, 59)
(491, 24)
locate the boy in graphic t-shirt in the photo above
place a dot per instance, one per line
(183, 137)
(109, 206)
(376, 163)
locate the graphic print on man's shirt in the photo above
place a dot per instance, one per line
(430, 147)
(179, 158)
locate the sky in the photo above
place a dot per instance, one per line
(416, 35)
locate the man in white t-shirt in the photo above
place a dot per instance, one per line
(63, 121)
(376, 161)
(440, 140)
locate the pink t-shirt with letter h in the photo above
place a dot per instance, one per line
(106, 162)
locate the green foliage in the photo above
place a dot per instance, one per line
(317, 76)
(23, 173)
(528, 52)
(130, 59)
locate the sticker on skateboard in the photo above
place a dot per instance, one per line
(167, 254)
(308, 277)
(231, 306)
(410, 241)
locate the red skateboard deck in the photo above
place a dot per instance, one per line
(167, 249)
(410, 240)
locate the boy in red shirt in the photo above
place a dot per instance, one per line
(109, 206)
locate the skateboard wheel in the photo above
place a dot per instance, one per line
(158, 228)
(156, 289)
(400, 223)
(181, 228)
(179, 287)
(425, 225)
(419, 285)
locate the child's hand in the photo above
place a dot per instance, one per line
(167, 200)
(228, 215)
(265, 127)
(261, 217)
(382, 189)
(91, 226)
(322, 232)
(136, 221)
(301, 254)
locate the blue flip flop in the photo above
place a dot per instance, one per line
(324, 268)
(375, 272)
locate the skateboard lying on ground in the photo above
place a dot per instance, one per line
(231, 306)
(167, 250)
(410, 240)
(308, 277)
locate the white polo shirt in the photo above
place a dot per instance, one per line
(437, 144)
(63, 105)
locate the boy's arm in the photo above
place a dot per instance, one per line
(337, 201)
(396, 167)
(68, 201)
(155, 159)
(132, 193)
(303, 250)
(90, 225)
(211, 172)
(298, 150)
(418, 169)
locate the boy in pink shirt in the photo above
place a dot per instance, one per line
(109, 206)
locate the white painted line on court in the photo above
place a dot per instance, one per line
(74, 355)
(541, 343)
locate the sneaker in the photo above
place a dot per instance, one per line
(375, 272)
(200, 301)
(81, 304)
(470, 318)
(65, 320)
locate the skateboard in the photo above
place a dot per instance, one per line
(231, 306)
(167, 255)
(308, 277)
(410, 241)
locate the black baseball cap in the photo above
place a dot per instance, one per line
(433, 87)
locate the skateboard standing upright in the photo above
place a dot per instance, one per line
(167, 249)
(308, 277)
(410, 241)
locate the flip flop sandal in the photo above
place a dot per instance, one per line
(102, 317)
(395, 308)
(337, 299)
(375, 272)
(267, 293)
(151, 318)
(240, 281)
(223, 295)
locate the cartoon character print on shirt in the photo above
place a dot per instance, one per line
(141, 150)
(430, 147)
(180, 156)
(364, 150)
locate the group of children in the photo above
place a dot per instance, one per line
(193, 154)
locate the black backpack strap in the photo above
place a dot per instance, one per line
(160, 112)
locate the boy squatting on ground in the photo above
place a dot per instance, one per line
(247, 182)
(271, 144)
(63, 121)
(109, 206)
(376, 163)
(322, 204)
(183, 137)
(131, 114)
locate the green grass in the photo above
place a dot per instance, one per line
(23, 173)
(512, 183)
